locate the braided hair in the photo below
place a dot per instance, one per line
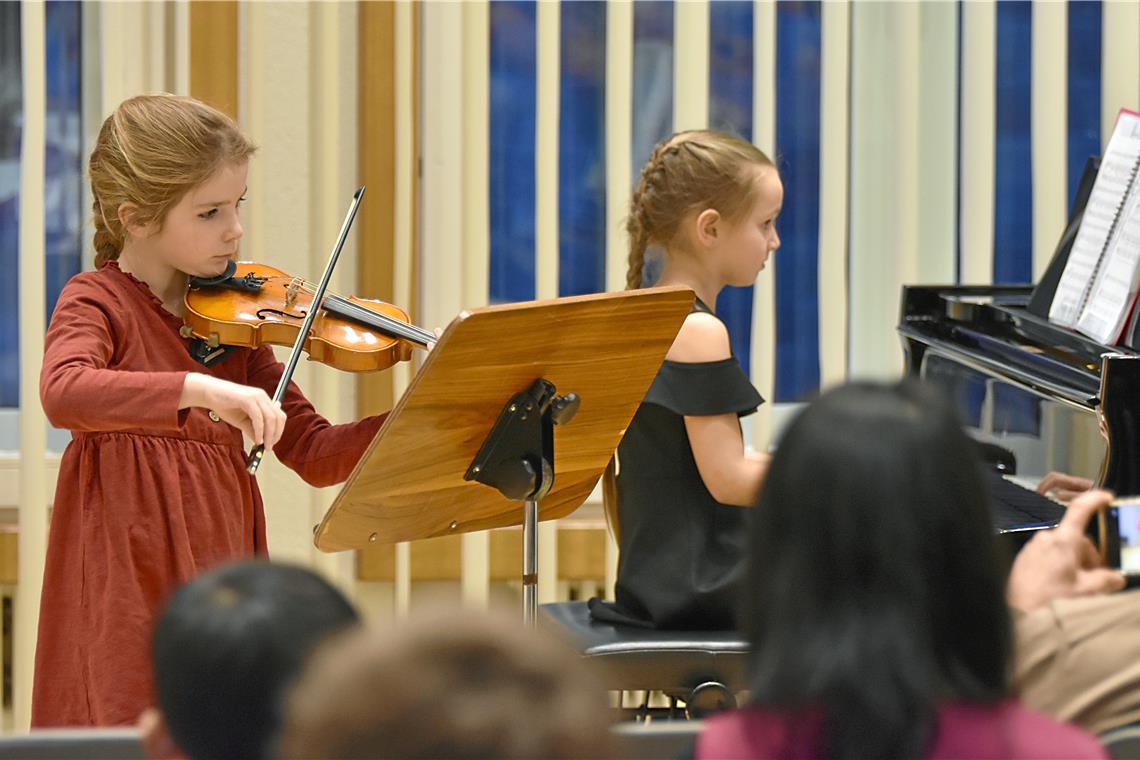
(689, 171)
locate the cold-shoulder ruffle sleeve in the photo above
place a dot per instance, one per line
(701, 389)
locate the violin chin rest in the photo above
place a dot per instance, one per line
(209, 282)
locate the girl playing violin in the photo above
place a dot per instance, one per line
(152, 488)
(709, 201)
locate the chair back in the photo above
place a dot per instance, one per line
(656, 739)
(66, 744)
(1122, 743)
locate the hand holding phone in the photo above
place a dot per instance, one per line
(1063, 561)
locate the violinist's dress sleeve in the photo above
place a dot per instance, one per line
(320, 452)
(78, 388)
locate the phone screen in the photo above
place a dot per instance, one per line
(1123, 523)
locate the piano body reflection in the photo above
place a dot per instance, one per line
(1028, 388)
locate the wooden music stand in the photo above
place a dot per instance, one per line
(420, 477)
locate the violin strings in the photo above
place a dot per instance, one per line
(402, 329)
(367, 316)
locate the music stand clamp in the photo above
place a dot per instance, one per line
(517, 459)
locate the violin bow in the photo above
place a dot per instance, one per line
(258, 452)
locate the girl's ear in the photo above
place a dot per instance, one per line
(128, 214)
(708, 226)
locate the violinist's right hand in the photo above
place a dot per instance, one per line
(248, 409)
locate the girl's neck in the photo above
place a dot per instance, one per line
(167, 283)
(684, 270)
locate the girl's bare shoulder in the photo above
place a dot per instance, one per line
(702, 338)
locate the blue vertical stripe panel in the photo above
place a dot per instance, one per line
(12, 101)
(797, 143)
(64, 158)
(730, 110)
(581, 150)
(1013, 165)
(1084, 88)
(511, 170)
(652, 79)
(63, 170)
(652, 107)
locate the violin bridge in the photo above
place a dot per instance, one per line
(291, 292)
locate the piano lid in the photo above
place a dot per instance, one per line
(991, 330)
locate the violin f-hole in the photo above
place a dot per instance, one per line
(261, 314)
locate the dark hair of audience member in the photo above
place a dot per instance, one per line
(875, 589)
(228, 645)
(455, 686)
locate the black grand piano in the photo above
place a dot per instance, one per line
(1027, 389)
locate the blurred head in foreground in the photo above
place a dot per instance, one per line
(456, 686)
(226, 648)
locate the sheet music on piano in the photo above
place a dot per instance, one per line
(1129, 234)
(1097, 289)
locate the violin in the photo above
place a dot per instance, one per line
(251, 304)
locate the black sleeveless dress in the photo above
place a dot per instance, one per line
(681, 554)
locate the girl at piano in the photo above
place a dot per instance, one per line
(706, 202)
(875, 604)
(152, 488)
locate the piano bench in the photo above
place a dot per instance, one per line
(703, 669)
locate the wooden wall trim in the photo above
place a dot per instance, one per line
(376, 153)
(214, 54)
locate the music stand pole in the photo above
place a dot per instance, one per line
(530, 562)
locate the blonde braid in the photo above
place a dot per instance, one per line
(636, 225)
(638, 242)
(108, 245)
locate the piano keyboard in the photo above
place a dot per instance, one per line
(1016, 508)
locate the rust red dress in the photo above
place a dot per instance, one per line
(148, 495)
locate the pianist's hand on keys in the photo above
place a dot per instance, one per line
(1062, 486)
